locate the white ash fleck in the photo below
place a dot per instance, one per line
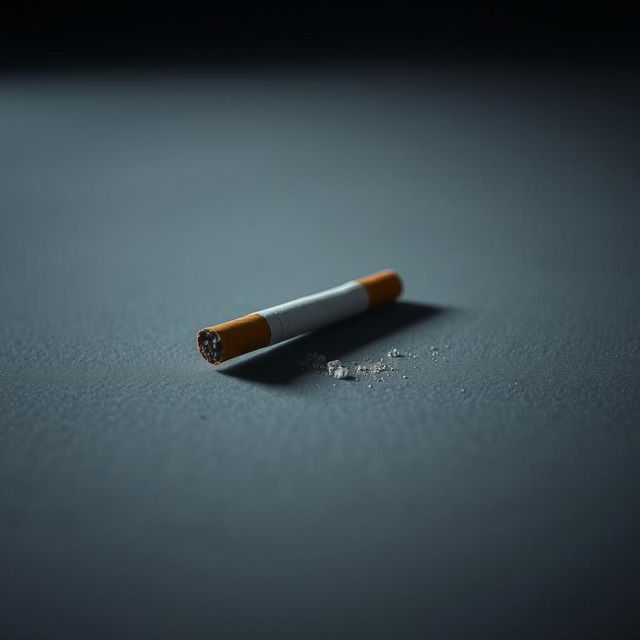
(332, 365)
(394, 353)
(341, 373)
(336, 370)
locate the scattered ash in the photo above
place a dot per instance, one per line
(369, 368)
(376, 369)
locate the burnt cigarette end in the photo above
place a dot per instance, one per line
(210, 346)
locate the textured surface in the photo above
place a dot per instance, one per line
(146, 493)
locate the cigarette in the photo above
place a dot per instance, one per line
(221, 342)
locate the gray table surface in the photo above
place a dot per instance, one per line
(144, 493)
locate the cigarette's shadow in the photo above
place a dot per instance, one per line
(282, 363)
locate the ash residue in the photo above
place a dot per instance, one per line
(378, 370)
(374, 368)
(370, 368)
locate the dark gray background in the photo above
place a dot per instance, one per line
(144, 493)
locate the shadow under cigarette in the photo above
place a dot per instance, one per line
(282, 363)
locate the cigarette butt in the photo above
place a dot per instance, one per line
(228, 340)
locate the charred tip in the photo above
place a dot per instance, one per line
(210, 346)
